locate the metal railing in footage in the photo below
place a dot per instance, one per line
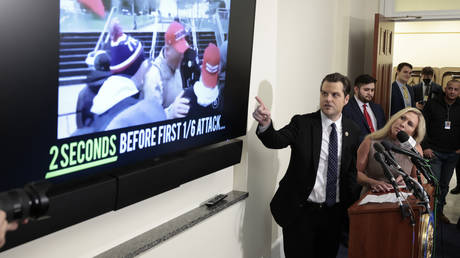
(92, 55)
(220, 37)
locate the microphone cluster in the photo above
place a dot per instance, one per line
(381, 157)
(408, 149)
(386, 160)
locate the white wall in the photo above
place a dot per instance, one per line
(361, 37)
(296, 43)
(428, 43)
(314, 38)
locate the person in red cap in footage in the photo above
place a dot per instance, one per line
(203, 96)
(162, 85)
(163, 80)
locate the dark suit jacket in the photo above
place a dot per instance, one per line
(353, 111)
(436, 89)
(304, 134)
(397, 99)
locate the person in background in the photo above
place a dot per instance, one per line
(163, 79)
(312, 198)
(190, 65)
(442, 142)
(402, 95)
(370, 172)
(94, 81)
(121, 89)
(368, 115)
(204, 95)
(427, 88)
(126, 52)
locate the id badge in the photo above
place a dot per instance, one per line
(447, 125)
(425, 98)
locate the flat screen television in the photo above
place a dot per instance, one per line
(84, 92)
(47, 69)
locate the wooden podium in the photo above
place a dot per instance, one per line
(378, 230)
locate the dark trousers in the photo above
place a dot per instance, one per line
(316, 233)
(443, 165)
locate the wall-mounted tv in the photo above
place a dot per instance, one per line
(92, 86)
(89, 85)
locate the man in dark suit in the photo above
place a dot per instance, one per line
(368, 115)
(426, 89)
(402, 95)
(312, 198)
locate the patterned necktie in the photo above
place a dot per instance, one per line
(332, 163)
(368, 118)
(427, 93)
(406, 94)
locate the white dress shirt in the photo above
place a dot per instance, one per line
(318, 195)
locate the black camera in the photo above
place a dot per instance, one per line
(30, 202)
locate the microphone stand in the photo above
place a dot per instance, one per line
(418, 176)
(421, 168)
(403, 207)
(411, 184)
(417, 189)
(419, 162)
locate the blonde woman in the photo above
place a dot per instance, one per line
(370, 173)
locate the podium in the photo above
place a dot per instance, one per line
(379, 230)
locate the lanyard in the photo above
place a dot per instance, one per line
(448, 112)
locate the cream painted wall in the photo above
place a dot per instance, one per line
(258, 170)
(296, 43)
(361, 37)
(429, 43)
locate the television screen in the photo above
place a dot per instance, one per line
(94, 85)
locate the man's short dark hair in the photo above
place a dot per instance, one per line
(364, 79)
(337, 77)
(401, 66)
(427, 70)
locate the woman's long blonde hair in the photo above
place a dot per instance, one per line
(419, 132)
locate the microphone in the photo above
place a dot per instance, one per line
(399, 150)
(417, 189)
(385, 150)
(415, 158)
(388, 157)
(386, 171)
(411, 184)
(407, 142)
(387, 145)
